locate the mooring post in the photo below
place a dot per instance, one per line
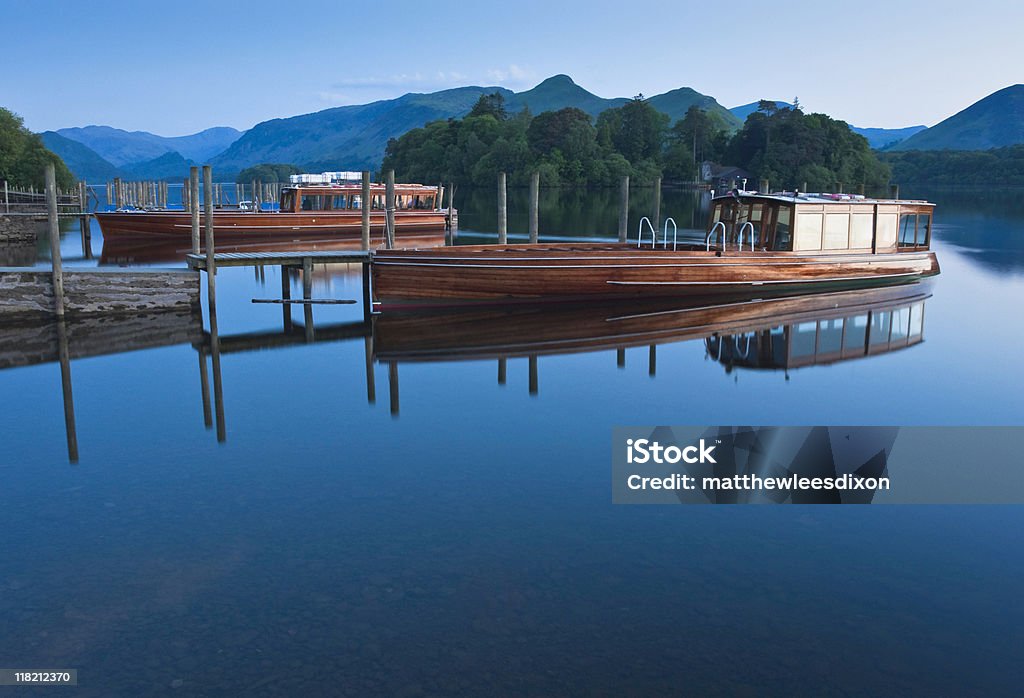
(762, 186)
(620, 357)
(193, 199)
(117, 192)
(211, 264)
(307, 294)
(657, 206)
(218, 383)
(449, 238)
(7, 200)
(894, 191)
(58, 270)
(364, 206)
(652, 360)
(502, 371)
(367, 292)
(389, 210)
(623, 208)
(83, 220)
(534, 382)
(393, 387)
(535, 207)
(502, 210)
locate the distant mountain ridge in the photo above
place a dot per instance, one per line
(354, 137)
(120, 147)
(878, 138)
(992, 122)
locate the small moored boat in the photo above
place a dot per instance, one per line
(756, 245)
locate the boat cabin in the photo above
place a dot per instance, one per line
(830, 223)
(348, 197)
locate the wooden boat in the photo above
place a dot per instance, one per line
(305, 211)
(776, 333)
(756, 245)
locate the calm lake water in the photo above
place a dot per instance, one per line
(428, 529)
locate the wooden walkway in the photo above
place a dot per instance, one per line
(282, 259)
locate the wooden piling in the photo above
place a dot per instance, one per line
(117, 192)
(449, 237)
(307, 294)
(502, 371)
(894, 191)
(7, 200)
(83, 220)
(389, 210)
(657, 206)
(623, 208)
(535, 207)
(364, 205)
(620, 357)
(393, 387)
(286, 294)
(762, 186)
(54, 226)
(502, 210)
(652, 360)
(371, 382)
(193, 198)
(64, 356)
(534, 380)
(211, 265)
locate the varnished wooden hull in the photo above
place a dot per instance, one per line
(535, 330)
(238, 226)
(531, 273)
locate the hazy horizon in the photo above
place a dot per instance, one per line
(880, 66)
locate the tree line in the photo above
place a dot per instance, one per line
(567, 147)
(999, 166)
(23, 157)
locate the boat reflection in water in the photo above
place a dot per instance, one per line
(778, 333)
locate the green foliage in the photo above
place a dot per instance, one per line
(490, 105)
(999, 166)
(789, 148)
(782, 144)
(23, 157)
(267, 172)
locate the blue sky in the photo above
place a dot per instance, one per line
(175, 68)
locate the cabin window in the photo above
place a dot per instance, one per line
(881, 325)
(783, 229)
(312, 202)
(914, 230)
(288, 201)
(908, 228)
(339, 202)
(856, 333)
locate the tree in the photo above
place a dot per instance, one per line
(267, 172)
(23, 157)
(490, 105)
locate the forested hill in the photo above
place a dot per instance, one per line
(993, 122)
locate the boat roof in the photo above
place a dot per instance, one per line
(328, 188)
(790, 197)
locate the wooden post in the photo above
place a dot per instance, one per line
(894, 191)
(652, 360)
(367, 292)
(535, 207)
(502, 370)
(839, 187)
(502, 210)
(204, 388)
(117, 192)
(389, 210)
(307, 294)
(83, 220)
(364, 205)
(211, 264)
(534, 382)
(860, 189)
(7, 200)
(449, 238)
(193, 199)
(620, 357)
(657, 207)
(623, 208)
(255, 197)
(762, 186)
(58, 269)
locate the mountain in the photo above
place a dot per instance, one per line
(993, 122)
(350, 137)
(354, 137)
(84, 162)
(878, 138)
(676, 102)
(121, 147)
(170, 165)
(558, 92)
